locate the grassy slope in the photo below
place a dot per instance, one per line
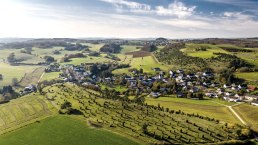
(22, 111)
(249, 113)
(190, 50)
(129, 48)
(202, 107)
(62, 130)
(147, 64)
(252, 76)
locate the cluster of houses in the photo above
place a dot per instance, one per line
(199, 82)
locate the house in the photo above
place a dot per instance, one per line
(243, 86)
(156, 69)
(255, 103)
(180, 71)
(29, 89)
(226, 86)
(207, 74)
(251, 88)
(155, 94)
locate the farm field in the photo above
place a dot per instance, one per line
(147, 64)
(63, 130)
(50, 76)
(22, 111)
(249, 113)
(88, 59)
(191, 50)
(32, 78)
(249, 76)
(129, 48)
(211, 108)
(9, 72)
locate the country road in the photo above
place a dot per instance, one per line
(234, 112)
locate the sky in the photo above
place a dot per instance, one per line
(174, 19)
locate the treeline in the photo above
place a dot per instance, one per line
(249, 43)
(233, 60)
(45, 43)
(111, 48)
(229, 49)
(173, 55)
(74, 47)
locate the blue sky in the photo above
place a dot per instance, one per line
(129, 18)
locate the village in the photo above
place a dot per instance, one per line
(196, 85)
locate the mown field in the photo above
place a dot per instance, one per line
(62, 130)
(22, 111)
(249, 113)
(211, 108)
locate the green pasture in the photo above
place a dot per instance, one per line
(50, 76)
(146, 63)
(129, 48)
(249, 76)
(191, 50)
(62, 130)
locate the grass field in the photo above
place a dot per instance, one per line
(88, 59)
(191, 50)
(50, 76)
(249, 113)
(62, 130)
(147, 64)
(22, 111)
(203, 107)
(252, 76)
(129, 48)
(10, 72)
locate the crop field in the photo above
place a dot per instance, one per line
(32, 78)
(22, 111)
(9, 72)
(146, 63)
(62, 130)
(249, 113)
(203, 107)
(128, 118)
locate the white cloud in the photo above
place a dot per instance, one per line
(176, 8)
(133, 6)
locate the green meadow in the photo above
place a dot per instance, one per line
(62, 130)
